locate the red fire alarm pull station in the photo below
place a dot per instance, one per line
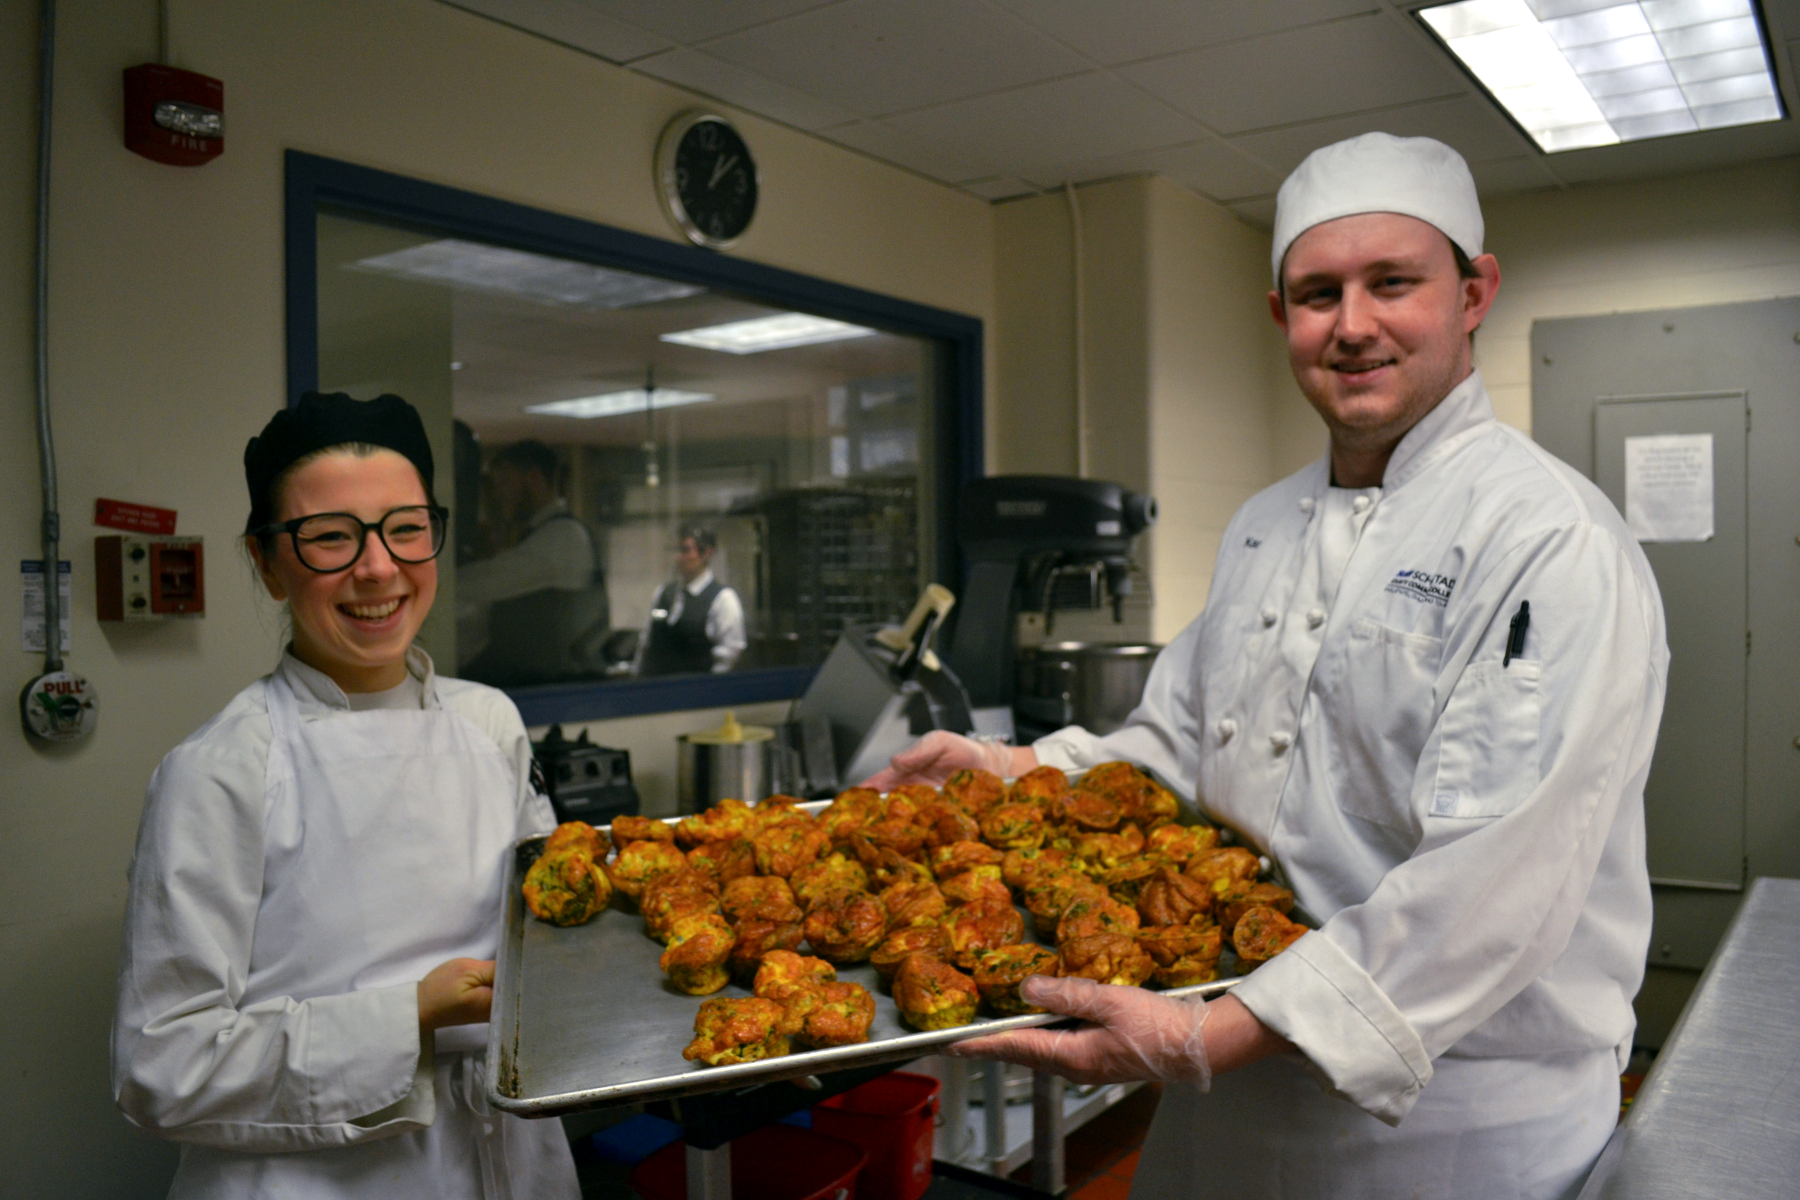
(143, 578)
(174, 116)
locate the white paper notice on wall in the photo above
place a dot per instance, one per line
(31, 587)
(1669, 487)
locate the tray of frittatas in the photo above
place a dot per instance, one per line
(653, 959)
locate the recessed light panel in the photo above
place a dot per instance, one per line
(768, 333)
(612, 404)
(1577, 73)
(476, 267)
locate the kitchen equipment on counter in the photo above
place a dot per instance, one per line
(881, 688)
(1091, 684)
(585, 782)
(739, 762)
(1043, 543)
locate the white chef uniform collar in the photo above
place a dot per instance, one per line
(1378, 172)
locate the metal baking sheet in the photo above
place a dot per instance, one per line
(584, 1017)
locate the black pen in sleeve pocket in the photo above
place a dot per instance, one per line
(1515, 634)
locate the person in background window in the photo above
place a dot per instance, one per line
(696, 622)
(522, 613)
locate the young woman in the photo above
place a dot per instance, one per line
(316, 894)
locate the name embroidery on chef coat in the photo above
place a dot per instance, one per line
(1422, 586)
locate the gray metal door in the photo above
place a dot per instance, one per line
(1722, 704)
(1696, 788)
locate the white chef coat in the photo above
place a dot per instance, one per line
(1470, 834)
(300, 866)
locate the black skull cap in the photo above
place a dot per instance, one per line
(320, 421)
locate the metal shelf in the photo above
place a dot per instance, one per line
(1000, 1147)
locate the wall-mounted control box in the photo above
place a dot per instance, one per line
(146, 578)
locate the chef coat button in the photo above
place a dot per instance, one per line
(1227, 729)
(1315, 617)
(1361, 504)
(1270, 616)
(1306, 505)
(1279, 742)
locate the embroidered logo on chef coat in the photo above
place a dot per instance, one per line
(1253, 543)
(1422, 586)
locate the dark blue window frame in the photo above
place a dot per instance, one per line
(313, 183)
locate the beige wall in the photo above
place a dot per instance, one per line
(1178, 354)
(167, 355)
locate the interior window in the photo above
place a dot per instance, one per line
(646, 477)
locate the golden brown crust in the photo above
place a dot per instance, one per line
(1000, 972)
(1173, 898)
(1018, 826)
(736, 1030)
(913, 902)
(640, 862)
(972, 886)
(668, 898)
(977, 928)
(1051, 891)
(976, 791)
(1044, 787)
(780, 809)
(905, 942)
(958, 857)
(829, 876)
(932, 994)
(1019, 867)
(698, 948)
(726, 821)
(1261, 934)
(1178, 843)
(1087, 915)
(1183, 954)
(782, 849)
(1127, 881)
(840, 1016)
(756, 937)
(1091, 812)
(1106, 958)
(1232, 898)
(1104, 851)
(579, 835)
(626, 830)
(945, 823)
(847, 928)
(758, 895)
(723, 862)
(566, 888)
(1228, 862)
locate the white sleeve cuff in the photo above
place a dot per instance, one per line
(363, 1051)
(1356, 1041)
(1071, 748)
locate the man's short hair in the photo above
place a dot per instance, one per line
(529, 455)
(704, 539)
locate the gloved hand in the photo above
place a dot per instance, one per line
(1134, 1035)
(939, 755)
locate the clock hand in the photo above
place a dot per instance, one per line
(720, 167)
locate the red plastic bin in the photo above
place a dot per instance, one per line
(891, 1118)
(778, 1162)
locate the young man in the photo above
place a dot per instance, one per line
(1427, 683)
(696, 622)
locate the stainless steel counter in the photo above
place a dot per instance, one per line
(1719, 1114)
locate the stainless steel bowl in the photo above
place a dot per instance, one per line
(1091, 684)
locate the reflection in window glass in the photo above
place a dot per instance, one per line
(646, 477)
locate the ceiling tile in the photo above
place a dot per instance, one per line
(1031, 131)
(571, 23)
(907, 150)
(690, 21)
(884, 56)
(1113, 33)
(1677, 155)
(1467, 124)
(747, 90)
(1302, 75)
(1503, 176)
(1001, 187)
(1212, 168)
(1258, 210)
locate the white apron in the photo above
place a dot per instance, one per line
(1482, 1129)
(385, 847)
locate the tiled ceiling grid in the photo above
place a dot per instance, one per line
(1004, 98)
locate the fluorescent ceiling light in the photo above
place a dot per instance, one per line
(1581, 73)
(611, 404)
(768, 333)
(476, 267)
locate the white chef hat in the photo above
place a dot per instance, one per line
(1378, 172)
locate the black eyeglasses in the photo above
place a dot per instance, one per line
(330, 542)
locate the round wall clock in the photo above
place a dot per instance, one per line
(706, 179)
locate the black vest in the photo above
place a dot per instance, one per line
(680, 647)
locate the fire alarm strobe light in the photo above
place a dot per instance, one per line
(174, 116)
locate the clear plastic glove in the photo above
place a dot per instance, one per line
(939, 755)
(1133, 1035)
